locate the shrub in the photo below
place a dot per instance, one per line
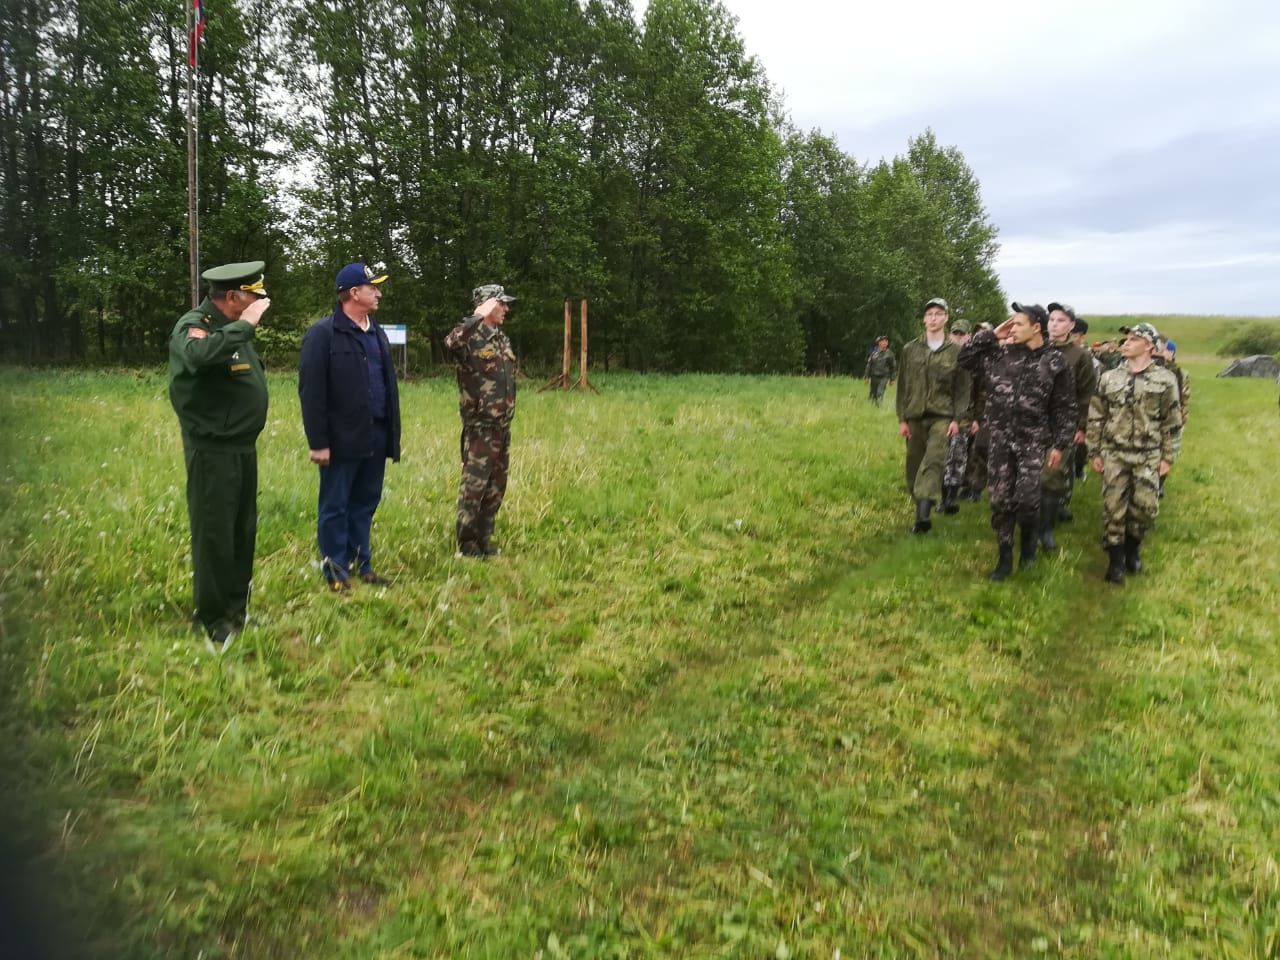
(1251, 340)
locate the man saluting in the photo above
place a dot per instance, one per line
(219, 392)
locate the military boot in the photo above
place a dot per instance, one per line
(486, 533)
(949, 499)
(1115, 566)
(1004, 565)
(1132, 561)
(1030, 537)
(1048, 517)
(923, 524)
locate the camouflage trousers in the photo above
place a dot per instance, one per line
(484, 481)
(926, 457)
(1130, 494)
(1015, 486)
(957, 458)
(976, 476)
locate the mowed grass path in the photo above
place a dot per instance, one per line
(712, 701)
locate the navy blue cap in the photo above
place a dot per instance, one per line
(357, 274)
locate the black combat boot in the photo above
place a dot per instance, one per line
(1004, 565)
(949, 504)
(1048, 517)
(1030, 537)
(1064, 515)
(1115, 565)
(1132, 561)
(923, 524)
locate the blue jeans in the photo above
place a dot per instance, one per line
(350, 491)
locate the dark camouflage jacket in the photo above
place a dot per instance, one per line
(486, 371)
(881, 364)
(1135, 413)
(1030, 396)
(931, 383)
(1083, 373)
(1184, 383)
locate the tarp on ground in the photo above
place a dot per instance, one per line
(1260, 365)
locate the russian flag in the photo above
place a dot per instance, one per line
(196, 33)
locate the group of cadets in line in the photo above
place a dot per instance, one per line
(351, 418)
(1022, 409)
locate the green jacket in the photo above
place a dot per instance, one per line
(1080, 362)
(881, 365)
(216, 382)
(932, 383)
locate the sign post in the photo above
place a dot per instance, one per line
(398, 336)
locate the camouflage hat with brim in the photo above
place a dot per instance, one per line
(490, 291)
(1144, 330)
(247, 276)
(937, 302)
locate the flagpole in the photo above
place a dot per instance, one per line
(193, 159)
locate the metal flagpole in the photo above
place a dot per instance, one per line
(193, 160)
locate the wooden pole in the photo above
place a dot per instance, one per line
(562, 381)
(193, 162)
(584, 383)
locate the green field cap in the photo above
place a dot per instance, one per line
(491, 290)
(246, 276)
(937, 302)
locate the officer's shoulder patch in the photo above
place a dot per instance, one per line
(196, 333)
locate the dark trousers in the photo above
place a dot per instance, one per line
(222, 505)
(877, 389)
(350, 491)
(1015, 475)
(485, 452)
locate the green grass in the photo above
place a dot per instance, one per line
(712, 701)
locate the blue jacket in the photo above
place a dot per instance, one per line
(333, 385)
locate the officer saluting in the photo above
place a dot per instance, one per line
(219, 392)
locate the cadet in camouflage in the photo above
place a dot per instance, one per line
(1057, 482)
(882, 368)
(1134, 419)
(933, 397)
(487, 402)
(953, 476)
(1030, 411)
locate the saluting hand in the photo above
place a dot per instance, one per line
(254, 311)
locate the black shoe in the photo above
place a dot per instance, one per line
(375, 579)
(1048, 517)
(1132, 561)
(1004, 565)
(1064, 515)
(923, 524)
(949, 505)
(1115, 566)
(471, 550)
(219, 638)
(339, 586)
(1027, 555)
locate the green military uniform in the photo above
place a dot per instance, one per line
(219, 391)
(1184, 393)
(1133, 421)
(1057, 483)
(882, 368)
(933, 390)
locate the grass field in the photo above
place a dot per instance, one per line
(712, 701)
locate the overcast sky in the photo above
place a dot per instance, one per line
(1128, 150)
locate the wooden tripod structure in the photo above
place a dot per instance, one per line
(561, 380)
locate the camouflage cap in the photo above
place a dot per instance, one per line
(490, 290)
(246, 276)
(1144, 330)
(961, 326)
(937, 302)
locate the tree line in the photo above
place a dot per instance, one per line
(556, 146)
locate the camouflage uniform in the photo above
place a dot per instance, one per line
(1030, 409)
(1057, 484)
(882, 368)
(932, 391)
(487, 401)
(1133, 423)
(1184, 396)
